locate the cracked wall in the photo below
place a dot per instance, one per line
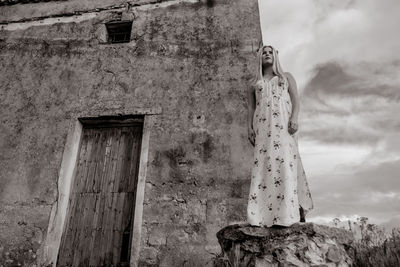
(191, 59)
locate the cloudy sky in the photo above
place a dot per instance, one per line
(344, 57)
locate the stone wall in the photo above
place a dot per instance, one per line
(190, 59)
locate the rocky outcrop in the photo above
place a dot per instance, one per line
(302, 244)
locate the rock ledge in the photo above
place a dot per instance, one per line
(302, 244)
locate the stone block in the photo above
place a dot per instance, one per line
(216, 212)
(157, 237)
(148, 255)
(196, 211)
(236, 210)
(178, 237)
(333, 254)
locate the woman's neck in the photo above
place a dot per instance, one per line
(267, 71)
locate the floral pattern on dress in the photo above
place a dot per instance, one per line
(278, 184)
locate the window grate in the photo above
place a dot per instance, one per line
(119, 31)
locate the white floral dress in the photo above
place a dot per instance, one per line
(278, 183)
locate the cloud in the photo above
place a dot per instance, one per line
(339, 135)
(354, 179)
(357, 80)
(309, 33)
(329, 78)
(371, 191)
(355, 103)
(367, 121)
(392, 223)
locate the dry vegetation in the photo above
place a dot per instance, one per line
(374, 246)
(377, 248)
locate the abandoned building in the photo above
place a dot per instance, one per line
(123, 131)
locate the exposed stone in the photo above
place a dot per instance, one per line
(302, 244)
(333, 254)
(178, 237)
(149, 255)
(157, 237)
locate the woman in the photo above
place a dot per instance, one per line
(279, 193)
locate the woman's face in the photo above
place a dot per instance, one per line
(267, 56)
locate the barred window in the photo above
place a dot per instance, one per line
(119, 31)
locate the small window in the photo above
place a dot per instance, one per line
(119, 31)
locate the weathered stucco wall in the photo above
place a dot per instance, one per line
(193, 60)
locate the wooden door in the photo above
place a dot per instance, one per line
(98, 227)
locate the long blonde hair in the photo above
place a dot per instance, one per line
(276, 66)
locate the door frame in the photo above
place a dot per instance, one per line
(59, 210)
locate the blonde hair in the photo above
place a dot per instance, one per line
(276, 66)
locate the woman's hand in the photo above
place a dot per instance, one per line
(293, 126)
(251, 135)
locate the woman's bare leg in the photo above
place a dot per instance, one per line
(302, 215)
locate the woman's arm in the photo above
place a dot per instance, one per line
(250, 112)
(294, 97)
